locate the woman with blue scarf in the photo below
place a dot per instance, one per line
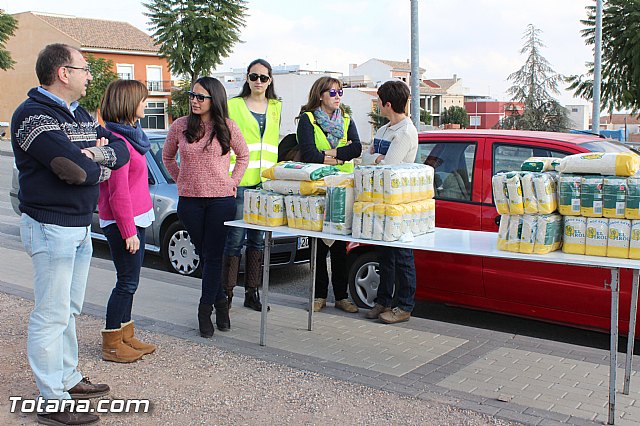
(327, 135)
(125, 210)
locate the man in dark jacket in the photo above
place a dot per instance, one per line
(62, 154)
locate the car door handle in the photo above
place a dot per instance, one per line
(497, 220)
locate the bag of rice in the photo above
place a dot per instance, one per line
(394, 217)
(540, 164)
(614, 197)
(368, 214)
(393, 191)
(316, 213)
(378, 221)
(591, 196)
(291, 170)
(574, 235)
(569, 195)
(356, 223)
(514, 192)
(529, 193)
(246, 206)
(515, 233)
(377, 194)
(544, 185)
(549, 233)
(291, 210)
(596, 236)
(603, 163)
(500, 197)
(275, 215)
(503, 232)
(619, 238)
(634, 240)
(338, 212)
(528, 233)
(428, 222)
(367, 185)
(295, 187)
(632, 206)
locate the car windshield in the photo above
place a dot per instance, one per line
(608, 145)
(157, 142)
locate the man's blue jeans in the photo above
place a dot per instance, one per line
(61, 257)
(397, 267)
(235, 236)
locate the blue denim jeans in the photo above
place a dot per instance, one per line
(127, 276)
(397, 267)
(60, 256)
(204, 218)
(235, 236)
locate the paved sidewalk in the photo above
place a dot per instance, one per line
(508, 376)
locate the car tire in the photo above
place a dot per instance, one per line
(179, 253)
(364, 278)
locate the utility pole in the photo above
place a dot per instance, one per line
(415, 66)
(597, 65)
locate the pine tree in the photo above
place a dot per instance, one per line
(8, 26)
(195, 35)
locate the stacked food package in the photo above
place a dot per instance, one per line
(264, 208)
(393, 202)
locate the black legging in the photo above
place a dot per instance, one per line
(338, 252)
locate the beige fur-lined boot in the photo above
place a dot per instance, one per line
(115, 350)
(129, 339)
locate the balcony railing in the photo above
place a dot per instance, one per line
(158, 86)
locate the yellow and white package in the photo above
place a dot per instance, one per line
(528, 233)
(603, 163)
(300, 206)
(295, 187)
(377, 193)
(426, 180)
(246, 206)
(275, 215)
(548, 234)
(544, 185)
(529, 193)
(619, 238)
(503, 232)
(632, 205)
(415, 217)
(500, 197)
(569, 195)
(540, 164)
(574, 235)
(614, 196)
(591, 196)
(356, 222)
(316, 212)
(379, 217)
(514, 192)
(596, 236)
(290, 208)
(429, 219)
(366, 195)
(338, 210)
(393, 190)
(634, 240)
(393, 220)
(368, 217)
(515, 233)
(291, 170)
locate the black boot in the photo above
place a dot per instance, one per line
(230, 269)
(252, 299)
(253, 279)
(204, 320)
(222, 315)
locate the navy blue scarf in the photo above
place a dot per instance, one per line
(136, 137)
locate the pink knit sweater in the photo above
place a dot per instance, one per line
(125, 194)
(204, 173)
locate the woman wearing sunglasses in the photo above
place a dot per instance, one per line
(256, 111)
(206, 190)
(327, 135)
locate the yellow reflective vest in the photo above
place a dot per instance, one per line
(263, 151)
(322, 143)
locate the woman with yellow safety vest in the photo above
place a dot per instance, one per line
(256, 110)
(327, 135)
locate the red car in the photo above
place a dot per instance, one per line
(464, 162)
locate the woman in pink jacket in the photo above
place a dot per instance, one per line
(125, 210)
(206, 191)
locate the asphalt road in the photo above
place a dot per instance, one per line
(294, 281)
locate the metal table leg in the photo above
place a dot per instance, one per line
(312, 293)
(632, 331)
(265, 288)
(613, 357)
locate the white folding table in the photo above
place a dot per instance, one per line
(476, 243)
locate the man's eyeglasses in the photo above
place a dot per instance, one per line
(85, 69)
(198, 96)
(334, 92)
(263, 78)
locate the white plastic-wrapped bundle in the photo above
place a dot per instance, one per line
(602, 163)
(290, 170)
(544, 185)
(295, 187)
(316, 206)
(426, 182)
(634, 240)
(393, 190)
(591, 196)
(367, 185)
(515, 233)
(529, 194)
(356, 223)
(614, 196)
(338, 212)
(549, 233)
(357, 181)
(619, 238)
(290, 206)
(528, 233)
(574, 235)
(246, 206)
(429, 220)
(415, 217)
(514, 192)
(394, 216)
(632, 206)
(275, 215)
(378, 221)
(377, 194)
(596, 236)
(503, 232)
(569, 195)
(300, 207)
(368, 215)
(500, 198)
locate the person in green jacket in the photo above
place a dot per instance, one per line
(256, 110)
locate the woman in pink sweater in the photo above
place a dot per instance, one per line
(125, 210)
(206, 191)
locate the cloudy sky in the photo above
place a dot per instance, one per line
(479, 40)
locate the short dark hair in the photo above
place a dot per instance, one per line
(50, 59)
(397, 93)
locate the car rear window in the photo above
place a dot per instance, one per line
(608, 146)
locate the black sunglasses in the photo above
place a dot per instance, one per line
(334, 92)
(263, 78)
(198, 96)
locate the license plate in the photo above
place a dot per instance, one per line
(303, 242)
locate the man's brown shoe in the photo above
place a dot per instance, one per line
(347, 306)
(67, 418)
(86, 389)
(375, 312)
(394, 315)
(318, 304)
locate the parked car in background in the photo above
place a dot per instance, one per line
(464, 163)
(166, 236)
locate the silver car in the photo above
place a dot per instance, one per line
(166, 236)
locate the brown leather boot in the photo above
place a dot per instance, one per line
(129, 339)
(230, 269)
(253, 279)
(67, 417)
(115, 350)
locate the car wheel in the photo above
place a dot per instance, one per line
(364, 279)
(179, 252)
